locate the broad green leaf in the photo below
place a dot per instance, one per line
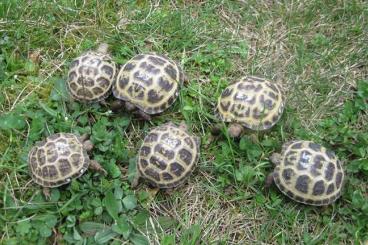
(122, 227)
(111, 205)
(47, 109)
(132, 169)
(130, 202)
(59, 91)
(138, 239)
(23, 227)
(91, 227)
(104, 236)
(12, 121)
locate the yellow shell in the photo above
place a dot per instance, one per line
(255, 103)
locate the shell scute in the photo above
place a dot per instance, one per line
(57, 160)
(150, 82)
(254, 102)
(173, 157)
(308, 174)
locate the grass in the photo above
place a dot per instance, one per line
(316, 49)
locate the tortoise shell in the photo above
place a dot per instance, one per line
(253, 102)
(151, 82)
(168, 156)
(309, 173)
(91, 76)
(56, 160)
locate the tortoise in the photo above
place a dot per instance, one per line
(147, 83)
(59, 158)
(167, 156)
(91, 75)
(307, 172)
(254, 103)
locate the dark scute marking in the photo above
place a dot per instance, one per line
(317, 202)
(84, 93)
(169, 154)
(163, 106)
(167, 176)
(73, 86)
(256, 114)
(330, 188)
(225, 107)
(287, 174)
(129, 67)
(176, 169)
(325, 201)
(102, 82)
(65, 152)
(273, 87)
(52, 171)
(298, 198)
(315, 147)
(290, 194)
(273, 95)
(152, 137)
(165, 84)
(41, 157)
(158, 162)
(145, 79)
(171, 100)
(275, 118)
(339, 177)
(330, 154)
(267, 124)
(33, 163)
(189, 142)
(268, 104)
(97, 91)
(302, 183)
(145, 150)
(88, 82)
(305, 160)
(76, 159)
(108, 70)
(75, 63)
(252, 101)
(149, 68)
(152, 173)
(138, 57)
(258, 88)
(318, 161)
(172, 142)
(290, 158)
(315, 168)
(170, 70)
(185, 156)
(296, 146)
(140, 95)
(123, 82)
(226, 93)
(319, 188)
(330, 171)
(153, 96)
(156, 60)
(72, 75)
(64, 166)
(144, 163)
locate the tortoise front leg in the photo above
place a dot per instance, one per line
(94, 165)
(46, 192)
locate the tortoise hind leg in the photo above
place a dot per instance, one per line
(144, 115)
(269, 180)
